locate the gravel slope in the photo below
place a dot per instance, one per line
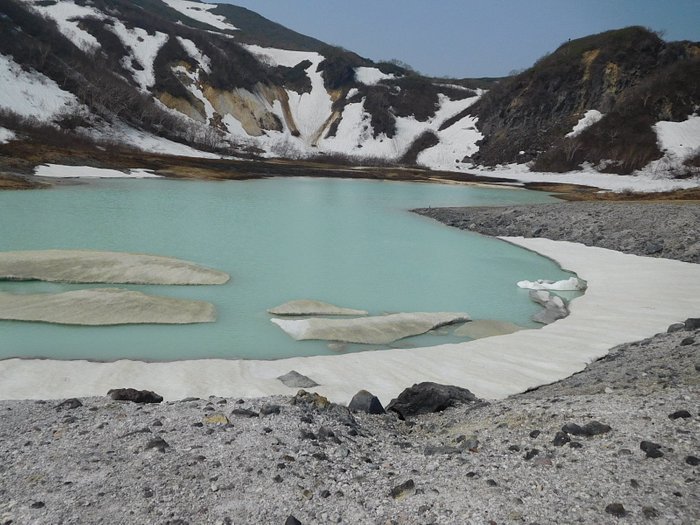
(207, 461)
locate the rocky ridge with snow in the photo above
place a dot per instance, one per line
(180, 77)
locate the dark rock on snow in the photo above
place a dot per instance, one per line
(294, 379)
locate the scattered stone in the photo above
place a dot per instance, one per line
(310, 399)
(535, 433)
(436, 450)
(135, 396)
(69, 404)
(216, 419)
(294, 379)
(157, 443)
(268, 410)
(651, 449)
(575, 444)
(38, 505)
(531, 454)
(687, 341)
(593, 428)
(427, 397)
(616, 509)
(491, 483)
(244, 412)
(561, 439)
(291, 520)
(692, 460)
(364, 401)
(405, 489)
(650, 512)
(684, 414)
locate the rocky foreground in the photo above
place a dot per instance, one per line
(619, 441)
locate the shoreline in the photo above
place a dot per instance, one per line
(629, 298)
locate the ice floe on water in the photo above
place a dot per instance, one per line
(381, 329)
(88, 266)
(103, 306)
(570, 284)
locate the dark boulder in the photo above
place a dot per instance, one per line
(593, 428)
(692, 323)
(427, 397)
(364, 401)
(136, 396)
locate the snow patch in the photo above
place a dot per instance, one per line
(60, 171)
(144, 48)
(67, 16)
(6, 135)
(31, 94)
(192, 50)
(679, 139)
(589, 118)
(371, 75)
(200, 11)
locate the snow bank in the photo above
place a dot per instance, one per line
(6, 135)
(589, 118)
(32, 94)
(200, 11)
(371, 75)
(59, 171)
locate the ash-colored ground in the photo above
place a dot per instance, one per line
(206, 461)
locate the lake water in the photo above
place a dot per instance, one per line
(348, 242)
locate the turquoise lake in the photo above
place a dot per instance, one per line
(348, 242)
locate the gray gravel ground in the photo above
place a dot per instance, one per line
(669, 230)
(207, 461)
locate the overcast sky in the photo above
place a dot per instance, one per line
(471, 38)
